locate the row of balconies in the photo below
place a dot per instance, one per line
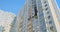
(50, 24)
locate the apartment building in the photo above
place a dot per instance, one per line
(6, 18)
(39, 16)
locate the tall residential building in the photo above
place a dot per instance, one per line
(13, 26)
(39, 16)
(6, 19)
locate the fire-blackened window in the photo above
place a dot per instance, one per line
(35, 8)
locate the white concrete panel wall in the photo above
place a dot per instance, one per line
(6, 19)
(54, 15)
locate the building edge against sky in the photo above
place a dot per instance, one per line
(6, 18)
(7, 12)
(54, 10)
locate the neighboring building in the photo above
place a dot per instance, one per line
(13, 27)
(39, 16)
(6, 18)
(1, 28)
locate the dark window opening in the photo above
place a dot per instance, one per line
(51, 28)
(48, 17)
(35, 11)
(35, 8)
(46, 8)
(45, 5)
(32, 16)
(45, 2)
(29, 18)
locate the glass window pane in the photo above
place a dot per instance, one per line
(50, 22)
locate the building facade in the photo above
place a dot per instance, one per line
(6, 18)
(39, 16)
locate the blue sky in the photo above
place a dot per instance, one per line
(11, 5)
(14, 5)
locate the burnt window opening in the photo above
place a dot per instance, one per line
(35, 8)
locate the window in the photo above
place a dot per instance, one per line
(29, 18)
(50, 22)
(51, 28)
(45, 30)
(47, 12)
(35, 8)
(46, 9)
(45, 2)
(46, 5)
(48, 17)
(32, 16)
